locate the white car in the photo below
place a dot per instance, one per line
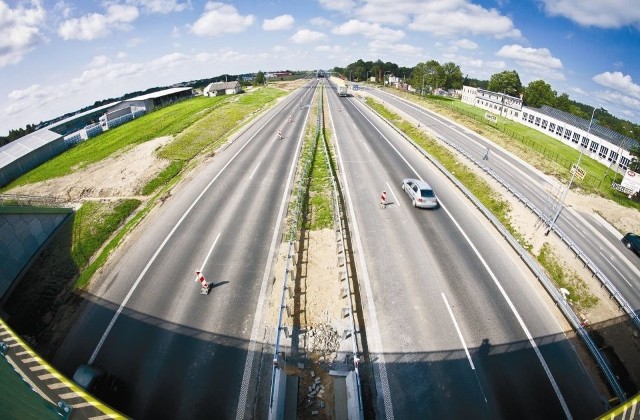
(420, 193)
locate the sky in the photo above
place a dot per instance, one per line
(59, 56)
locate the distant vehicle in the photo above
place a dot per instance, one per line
(342, 90)
(420, 193)
(632, 242)
(97, 382)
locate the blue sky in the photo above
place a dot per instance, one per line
(59, 56)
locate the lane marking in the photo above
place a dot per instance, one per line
(515, 312)
(395, 197)
(166, 240)
(374, 332)
(455, 324)
(254, 171)
(209, 253)
(257, 319)
(552, 380)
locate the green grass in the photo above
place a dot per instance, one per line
(210, 132)
(320, 191)
(165, 121)
(94, 223)
(163, 177)
(579, 293)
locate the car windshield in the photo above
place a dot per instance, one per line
(427, 193)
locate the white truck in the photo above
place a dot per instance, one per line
(342, 90)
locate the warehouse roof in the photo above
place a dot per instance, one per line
(25, 145)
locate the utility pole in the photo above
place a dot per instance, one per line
(573, 175)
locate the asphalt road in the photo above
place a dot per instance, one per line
(177, 353)
(455, 326)
(603, 247)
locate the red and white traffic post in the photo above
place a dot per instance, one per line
(203, 282)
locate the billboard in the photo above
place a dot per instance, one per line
(631, 180)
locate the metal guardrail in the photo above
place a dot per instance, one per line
(604, 280)
(339, 224)
(340, 221)
(524, 255)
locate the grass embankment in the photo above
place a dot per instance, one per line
(491, 199)
(544, 152)
(166, 121)
(199, 125)
(579, 293)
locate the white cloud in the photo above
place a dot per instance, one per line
(19, 31)
(458, 17)
(96, 25)
(99, 61)
(279, 48)
(601, 14)
(221, 18)
(625, 104)
(530, 56)
(305, 36)
(464, 44)
(175, 32)
(338, 5)
(368, 30)
(620, 82)
(378, 46)
(278, 23)
(320, 21)
(121, 55)
(160, 6)
(537, 60)
(134, 42)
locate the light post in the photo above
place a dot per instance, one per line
(573, 175)
(422, 91)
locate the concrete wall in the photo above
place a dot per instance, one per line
(23, 232)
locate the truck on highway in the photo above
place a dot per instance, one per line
(342, 90)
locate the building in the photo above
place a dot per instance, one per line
(25, 153)
(603, 145)
(497, 103)
(222, 88)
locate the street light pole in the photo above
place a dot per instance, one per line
(573, 175)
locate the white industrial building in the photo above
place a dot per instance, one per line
(600, 143)
(25, 153)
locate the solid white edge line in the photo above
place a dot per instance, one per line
(257, 319)
(515, 312)
(455, 324)
(495, 280)
(374, 331)
(164, 242)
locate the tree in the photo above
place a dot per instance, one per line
(429, 75)
(452, 76)
(507, 82)
(635, 159)
(539, 93)
(260, 79)
(563, 103)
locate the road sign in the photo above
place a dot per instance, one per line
(579, 172)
